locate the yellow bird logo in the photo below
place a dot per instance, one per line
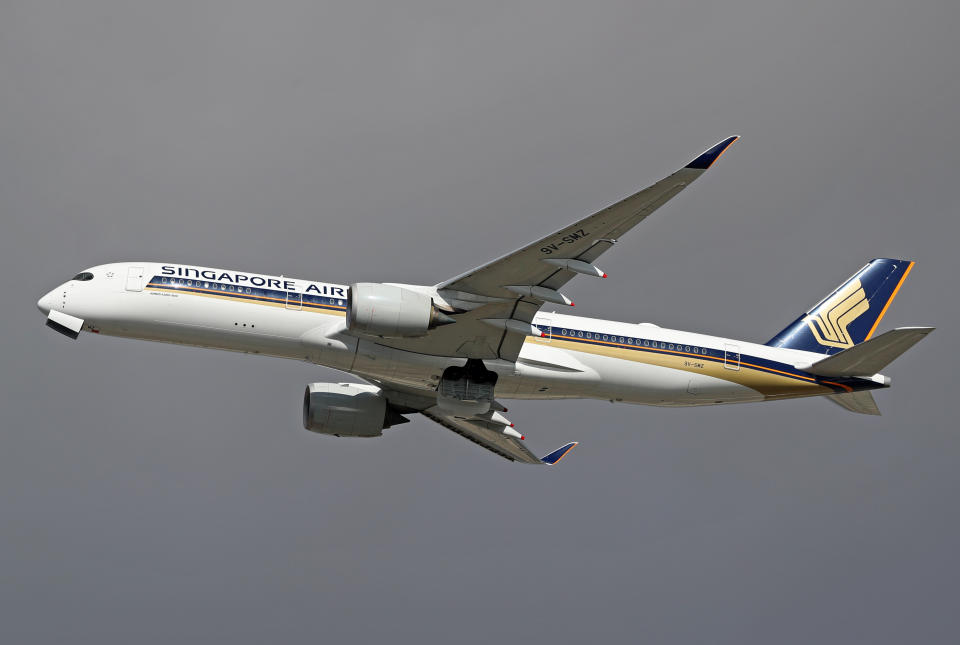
(829, 326)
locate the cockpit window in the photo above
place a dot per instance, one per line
(83, 277)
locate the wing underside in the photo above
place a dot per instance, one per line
(491, 430)
(495, 440)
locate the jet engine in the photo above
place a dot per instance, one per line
(348, 410)
(392, 311)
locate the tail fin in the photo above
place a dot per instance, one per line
(851, 313)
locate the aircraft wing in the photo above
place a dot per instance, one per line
(487, 436)
(490, 431)
(493, 304)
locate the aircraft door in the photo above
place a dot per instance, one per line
(135, 279)
(731, 357)
(294, 300)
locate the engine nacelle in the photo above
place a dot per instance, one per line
(391, 311)
(347, 410)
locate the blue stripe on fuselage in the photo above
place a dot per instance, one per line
(244, 294)
(712, 355)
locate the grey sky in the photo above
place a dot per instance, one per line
(154, 493)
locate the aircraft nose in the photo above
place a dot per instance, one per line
(45, 304)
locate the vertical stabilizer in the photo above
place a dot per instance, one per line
(851, 313)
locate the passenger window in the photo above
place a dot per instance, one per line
(686, 348)
(630, 341)
(580, 334)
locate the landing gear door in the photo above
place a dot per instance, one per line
(135, 279)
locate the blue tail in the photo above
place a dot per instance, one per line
(850, 314)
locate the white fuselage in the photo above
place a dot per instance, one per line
(306, 320)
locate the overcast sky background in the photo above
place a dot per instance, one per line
(151, 493)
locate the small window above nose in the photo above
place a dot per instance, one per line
(83, 277)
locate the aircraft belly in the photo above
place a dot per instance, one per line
(703, 389)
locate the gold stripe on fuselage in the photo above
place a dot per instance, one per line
(770, 382)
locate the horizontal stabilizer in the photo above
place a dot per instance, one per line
(871, 356)
(861, 402)
(558, 454)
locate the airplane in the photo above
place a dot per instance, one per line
(455, 350)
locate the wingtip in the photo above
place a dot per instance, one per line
(558, 454)
(710, 156)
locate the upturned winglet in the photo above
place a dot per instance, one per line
(708, 157)
(558, 454)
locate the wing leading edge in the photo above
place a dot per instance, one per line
(515, 286)
(584, 240)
